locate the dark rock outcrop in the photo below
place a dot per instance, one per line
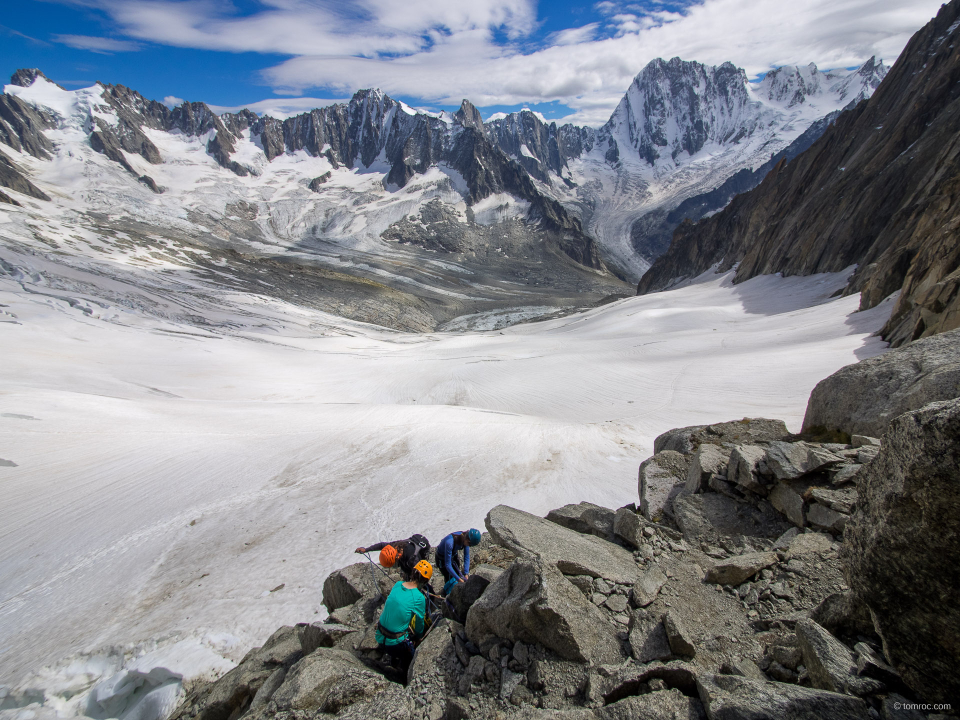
(863, 398)
(901, 547)
(22, 126)
(13, 177)
(878, 189)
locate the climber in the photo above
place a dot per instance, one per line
(406, 605)
(447, 558)
(405, 553)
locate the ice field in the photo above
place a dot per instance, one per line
(162, 480)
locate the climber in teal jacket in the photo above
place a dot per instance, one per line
(405, 603)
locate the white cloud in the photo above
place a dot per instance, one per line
(280, 108)
(171, 101)
(101, 45)
(443, 52)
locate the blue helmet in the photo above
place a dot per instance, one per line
(473, 537)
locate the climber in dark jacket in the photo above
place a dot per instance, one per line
(408, 552)
(448, 560)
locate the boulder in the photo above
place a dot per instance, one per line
(708, 517)
(744, 667)
(254, 680)
(465, 594)
(670, 704)
(900, 554)
(747, 431)
(731, 697)
(347, 585)
(859, 441)
(865, 397)
(317, 635)
(628, 526)
(830, 665)
(646, 589)
(649, 641)
(660, 478)
(788, 501)
(327, 681)
(532, 602)
(746, 468)
(845, 474)
(739, 568)
(843, 500)
(843, 613)
(527, 535)
(680, 639)
(434, 650)
(870, 664)
(809, 543)
(791, 460)
(585, 518)
(823, 517)
(707, 461)
(391, 703)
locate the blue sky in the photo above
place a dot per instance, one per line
(570, 60)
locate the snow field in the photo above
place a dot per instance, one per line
(168, 479)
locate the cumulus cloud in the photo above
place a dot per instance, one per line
(486, 50)
(171, 101)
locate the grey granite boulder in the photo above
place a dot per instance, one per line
(830, 664)
(328, 680)
(347, 585)
(707, 461)
(646, 589)
(789, 461)
(573, 553)
(708, 516)
(534, 603)
(736, 432)
(739, 568)
(731, 697)
(865, 397)
(585, 518)
(901, 553)
(669, 704)
(660, 478)
(747, 467)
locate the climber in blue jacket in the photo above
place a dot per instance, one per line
(447, 557)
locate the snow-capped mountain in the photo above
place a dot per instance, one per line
(681, 130)
(415, 219)
(678, 107)
(423, 205)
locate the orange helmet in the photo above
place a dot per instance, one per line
(388, 556)
(424, 568)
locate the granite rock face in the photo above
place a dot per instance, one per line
(901, 556)
(863, 398)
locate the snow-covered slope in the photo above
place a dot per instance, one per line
(183, 462)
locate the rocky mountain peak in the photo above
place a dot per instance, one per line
(469, 116)
(25, 77)
(790, 85)
(679, 106)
